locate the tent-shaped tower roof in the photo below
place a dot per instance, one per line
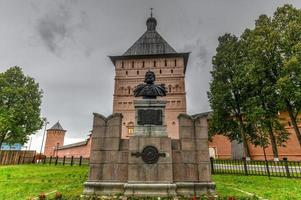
(57, 126)
(150, 43)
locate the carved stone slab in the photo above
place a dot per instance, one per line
(150, 116)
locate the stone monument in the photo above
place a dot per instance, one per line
(149, 163)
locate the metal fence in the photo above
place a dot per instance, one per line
(54, 160)
(282, 168)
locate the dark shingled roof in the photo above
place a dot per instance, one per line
(150, 43)
(57, 126)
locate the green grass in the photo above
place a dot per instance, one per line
(274, 188)
(27, 181)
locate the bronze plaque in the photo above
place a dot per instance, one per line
(150, 116)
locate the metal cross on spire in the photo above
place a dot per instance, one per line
(151, 12)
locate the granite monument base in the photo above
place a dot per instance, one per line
(149, 165)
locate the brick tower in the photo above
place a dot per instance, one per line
(150, 52)
(54, 139)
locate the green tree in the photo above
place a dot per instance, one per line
(20, 101)
(227, 95)
(262, 64)
(286, 24)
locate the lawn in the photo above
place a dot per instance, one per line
(28, 181)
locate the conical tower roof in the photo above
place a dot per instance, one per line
(150, 43)
(57, 126)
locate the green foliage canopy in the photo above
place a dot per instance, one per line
(20, 101)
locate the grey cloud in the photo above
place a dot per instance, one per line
(199, 52)
(57, 27)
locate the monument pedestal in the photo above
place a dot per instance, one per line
(149, 163)
(150, 118)
(150, 189)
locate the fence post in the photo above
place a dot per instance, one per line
(50, 160)
(245, 165)
(64, 160)
(80, 160)
(34, 158)
(71, 163)
(56, 160)
(19, 160)
(286, 168)
(212, 165)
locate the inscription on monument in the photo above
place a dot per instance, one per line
(150, 116)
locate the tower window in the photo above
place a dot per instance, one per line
(122, 65)
(132, 64)
(154, 63)
(175, 62)
(130, 127)
(137, 72)
(126, 72)
(165, 62)
(171, 70)
(143, 64)
(160, 71)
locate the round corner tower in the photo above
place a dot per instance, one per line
(54, 139)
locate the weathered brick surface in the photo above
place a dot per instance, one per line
(131, 72)
(54, 139)
(77, 151)
(292, 149)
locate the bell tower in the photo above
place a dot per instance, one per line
(150, 52)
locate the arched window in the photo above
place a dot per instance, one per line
(126, 72)
(171, 71)
(137, 72)
(165, 62)
(177, 88)
(175, 62)
(155, 63)
(130, 127)
(122, 65)
(132, 64)
(129, 90)
(160, 71)
(143, 64)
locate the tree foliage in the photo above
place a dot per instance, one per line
(20, 101)
(227, 95)
(267, 79)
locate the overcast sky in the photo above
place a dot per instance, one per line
(65, 46)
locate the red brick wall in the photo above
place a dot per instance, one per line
(77, 151)
(222, 146)
(292, 149)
